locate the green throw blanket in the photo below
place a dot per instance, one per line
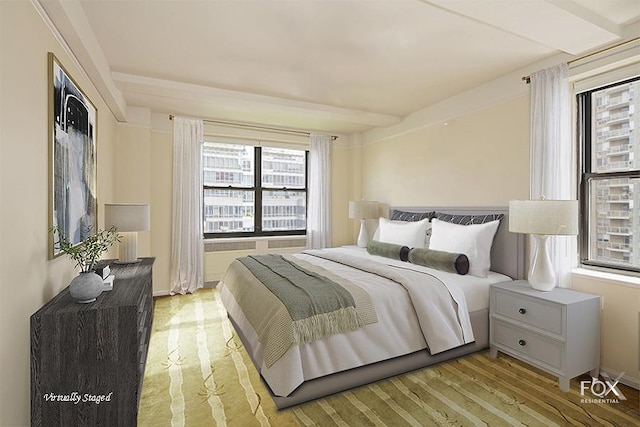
(290, 302)
(305, 294)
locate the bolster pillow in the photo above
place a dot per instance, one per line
(388, 250)
(440, 260)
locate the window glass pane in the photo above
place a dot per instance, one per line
(228, 211)
(614, 221)
(284, 210)
(227, 164)
(614, 145)
(231, 210)
(283, 168)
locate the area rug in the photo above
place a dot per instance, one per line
(198, 374)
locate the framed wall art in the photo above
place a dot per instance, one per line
(72, 158)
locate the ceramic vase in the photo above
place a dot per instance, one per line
(85, 287)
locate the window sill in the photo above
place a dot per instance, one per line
(620, 279)
(256, 238)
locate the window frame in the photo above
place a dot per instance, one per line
(257, 190)
(587, 176)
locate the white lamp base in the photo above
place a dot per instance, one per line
(128, 248)
(542, 276)
(363, 237)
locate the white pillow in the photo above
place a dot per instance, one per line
(474, 240)
(403, 233)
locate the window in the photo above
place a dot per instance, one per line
(253, 191)
(609, 121)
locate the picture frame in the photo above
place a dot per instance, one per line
(72, 158)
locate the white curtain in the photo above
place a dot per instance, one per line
(186, 243)
(319, 209)
(551, 163)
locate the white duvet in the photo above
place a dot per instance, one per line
(406, 315)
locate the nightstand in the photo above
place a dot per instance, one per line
(556, 331)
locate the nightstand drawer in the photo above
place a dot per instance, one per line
(534, 312)
(534, 347)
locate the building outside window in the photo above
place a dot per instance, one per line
(253, 191)
(610, 193)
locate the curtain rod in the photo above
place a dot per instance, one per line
(257, 127)
(527, 79)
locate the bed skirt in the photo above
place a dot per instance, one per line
(345, 380)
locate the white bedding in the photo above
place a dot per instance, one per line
(396, 333)
(475, 289)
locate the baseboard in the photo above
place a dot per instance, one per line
(211, 284)
(161, 294)
(626, 379)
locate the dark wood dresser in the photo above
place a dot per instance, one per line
(87, 360)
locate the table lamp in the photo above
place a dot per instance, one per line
(128, 220)
(543, 218)
(363, 210)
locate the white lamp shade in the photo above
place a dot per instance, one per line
(544, 217)
(362, 209)
(127, 217)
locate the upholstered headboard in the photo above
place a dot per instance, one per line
(507, 253)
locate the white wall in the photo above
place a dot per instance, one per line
(132, 176)
(27, 278)
(619, 322)
(480, 159)
(161, 182)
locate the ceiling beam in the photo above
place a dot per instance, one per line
(559, 24)
(235, 100)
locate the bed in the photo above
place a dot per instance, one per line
(395, 342)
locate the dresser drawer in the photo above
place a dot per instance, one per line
(534, 312)
(531, 346)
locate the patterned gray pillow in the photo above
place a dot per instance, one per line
(468, 219)
(411, 216)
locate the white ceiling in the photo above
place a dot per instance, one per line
(329, 65)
